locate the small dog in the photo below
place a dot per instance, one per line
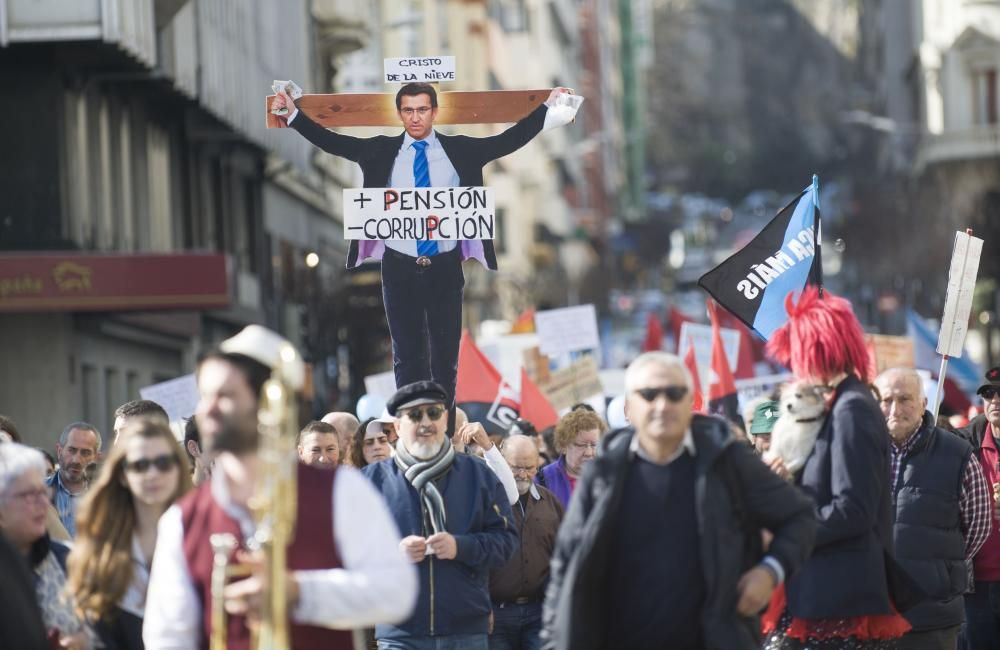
(802, 408)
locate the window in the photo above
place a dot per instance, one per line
(985, 96)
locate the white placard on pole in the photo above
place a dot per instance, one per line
(412, 213)
(570, 329)
(961, 286)
(382, 384)
(427, 69)
(178, 397)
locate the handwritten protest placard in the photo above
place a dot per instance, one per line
(570, 329)
(178, 397)
(423, 70)
(409, 214)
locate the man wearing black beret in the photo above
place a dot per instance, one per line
(455, 519)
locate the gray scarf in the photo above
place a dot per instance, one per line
(421, 475)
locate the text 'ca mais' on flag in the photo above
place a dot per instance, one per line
(753, 282)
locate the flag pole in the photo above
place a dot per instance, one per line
(817, 235)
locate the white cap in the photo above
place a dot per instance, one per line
(375, 425)
(270, 349)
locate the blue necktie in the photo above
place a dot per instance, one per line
(422, 178)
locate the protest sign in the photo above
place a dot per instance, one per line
(570, 329)
(409, 214)
(574, 384)
(429, 69)
(890, 351)
(178, 397)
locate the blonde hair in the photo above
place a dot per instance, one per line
(99, 568)
(573, 423)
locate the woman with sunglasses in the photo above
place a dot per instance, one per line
(576, 437)
(849, 592)
(116, 531)
(24, 503)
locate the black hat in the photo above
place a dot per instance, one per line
(992, 380)
(415, 394)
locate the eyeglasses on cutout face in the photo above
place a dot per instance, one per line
(162, 463)
(672, 393)
(421, 111)
(416, 415)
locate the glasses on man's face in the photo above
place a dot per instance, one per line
(417, 414)
(672, 393)
(421, 111)
(521, 469)
(26, 497)
(162, 463)
(989, 393)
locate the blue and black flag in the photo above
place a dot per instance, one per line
(781, 259)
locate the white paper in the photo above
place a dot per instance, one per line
(425, 69)
(563, 111)
(570, 329)
(958, 303)
(178, 397)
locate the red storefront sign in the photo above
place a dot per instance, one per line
(82, 282)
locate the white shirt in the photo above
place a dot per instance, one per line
(442, 174)
(376, 584)
(499, 465)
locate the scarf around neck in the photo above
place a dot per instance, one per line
(421, 475)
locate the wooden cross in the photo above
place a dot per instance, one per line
(379, 109)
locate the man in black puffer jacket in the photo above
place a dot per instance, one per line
(661, 546)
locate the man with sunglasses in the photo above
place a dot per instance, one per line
(456, 520)
(661, 545)
(422, 281)
(344, 568)
(982, 618)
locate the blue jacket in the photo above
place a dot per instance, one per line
(454, 594)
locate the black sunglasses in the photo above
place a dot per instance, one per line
(672, 393)
(989, 392)
(163, 463)
(417, 414)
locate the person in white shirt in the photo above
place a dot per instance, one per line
(345, 567)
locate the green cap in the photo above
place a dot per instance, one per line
(764, 417)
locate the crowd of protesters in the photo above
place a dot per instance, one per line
(670, 533)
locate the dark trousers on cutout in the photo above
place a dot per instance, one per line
(423, 306)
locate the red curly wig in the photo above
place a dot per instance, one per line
(822, 338)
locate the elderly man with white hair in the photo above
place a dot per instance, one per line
(941, 509)
(677, 481)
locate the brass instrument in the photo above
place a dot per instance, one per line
(274, 507)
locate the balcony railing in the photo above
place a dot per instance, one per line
(131, 24)
(966, 144)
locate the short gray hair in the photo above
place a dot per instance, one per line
(16, 460)
(664, 359)
(86, 426)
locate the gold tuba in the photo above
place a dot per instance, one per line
(274, 507)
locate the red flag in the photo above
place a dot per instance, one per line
(535, 407)
(722, 398)
(675, 318)
(525, 323)
(654, 334)
(692, 366)
(481, 392)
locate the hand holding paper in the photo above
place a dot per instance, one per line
(563, 105)
(287, 92)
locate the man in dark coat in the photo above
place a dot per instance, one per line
(661, 546)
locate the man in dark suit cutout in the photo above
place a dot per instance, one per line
(422, 284)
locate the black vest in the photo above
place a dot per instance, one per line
(927, 528)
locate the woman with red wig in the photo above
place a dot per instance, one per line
(843, 597)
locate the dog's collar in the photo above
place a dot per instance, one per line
(815, 419)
